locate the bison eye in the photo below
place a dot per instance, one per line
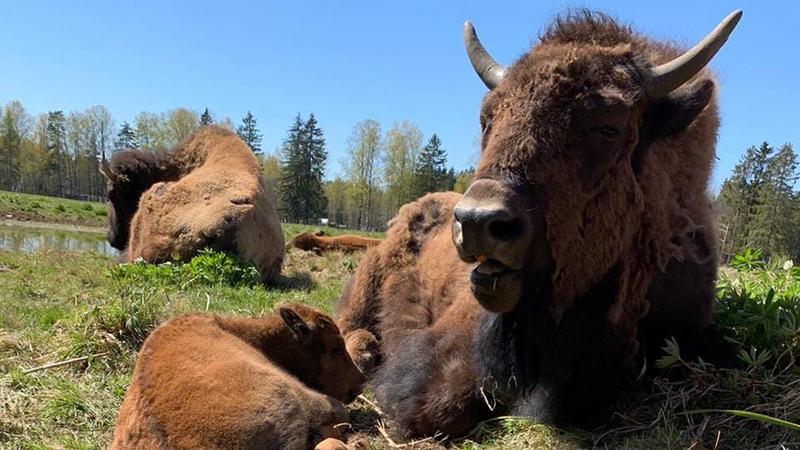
(607, 131)
(338, 352)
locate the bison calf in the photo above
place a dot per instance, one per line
(318, 242)
(208, 381)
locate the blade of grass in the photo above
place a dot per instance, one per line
(747, 415)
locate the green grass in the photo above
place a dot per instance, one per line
(39, 208)
(57, 305)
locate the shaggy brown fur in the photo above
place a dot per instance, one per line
(626, 226)
(319, 243)
(364, 348)
(207, 192)
(207, 381)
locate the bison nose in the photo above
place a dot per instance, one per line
(488, 224)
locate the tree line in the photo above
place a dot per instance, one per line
(758, 204)
(59, 154)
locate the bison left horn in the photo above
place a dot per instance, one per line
(669, 76)
(105, 167)
(487, 68)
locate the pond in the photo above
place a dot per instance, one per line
(32, 239)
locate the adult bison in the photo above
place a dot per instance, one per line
(207, 192)
(585, 239)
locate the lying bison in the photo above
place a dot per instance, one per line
(319, 243)
(207, 192)
(213, 382)
(585, 239)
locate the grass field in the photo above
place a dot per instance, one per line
(39, 208)
(56, 306)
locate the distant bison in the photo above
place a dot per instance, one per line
(207, 192)
(584, 240)
(214, 382)
(318, 242)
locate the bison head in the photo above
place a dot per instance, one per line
(564, 133)
(129, 174)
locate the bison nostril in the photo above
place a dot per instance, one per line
(506, 231)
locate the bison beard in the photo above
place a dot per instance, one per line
(589, 212)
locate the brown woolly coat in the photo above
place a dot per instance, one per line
(319, 243)
(207, 381)
(217, 198)
(637, 240)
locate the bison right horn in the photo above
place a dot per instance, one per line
(487, 68)
(669, 76)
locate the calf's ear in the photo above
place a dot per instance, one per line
(296, 323)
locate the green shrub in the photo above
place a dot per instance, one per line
(61, 208)
(207, 268)
(758, 308)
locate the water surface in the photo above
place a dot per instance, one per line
(31, 239)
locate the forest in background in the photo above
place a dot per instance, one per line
(58, 154)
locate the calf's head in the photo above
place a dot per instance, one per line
(564, 132)
(322, 355)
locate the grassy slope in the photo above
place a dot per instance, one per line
(39, 208)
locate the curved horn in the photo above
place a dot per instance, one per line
(669, 76)
(487, 68)
(105, 167)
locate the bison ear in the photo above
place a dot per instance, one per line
(296, 323)
(670, 115)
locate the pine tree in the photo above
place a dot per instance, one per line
(249, 133)
(772, 213)
(126, 138)
(56, 153)
(431, 170)
(738, 197)
(205, 118)
(316, 158)
(11, 144)
(303, 167)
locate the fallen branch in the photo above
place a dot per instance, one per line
(64, 363)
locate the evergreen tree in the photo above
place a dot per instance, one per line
(738, 198)
(316, 158)
(291, 196)
(205, 118)
(431, 171)
(12, 118)
(302, 169)
(56, 153)
(771, 220)
(126, 138)
(249, 133)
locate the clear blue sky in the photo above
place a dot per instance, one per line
(351, 60)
